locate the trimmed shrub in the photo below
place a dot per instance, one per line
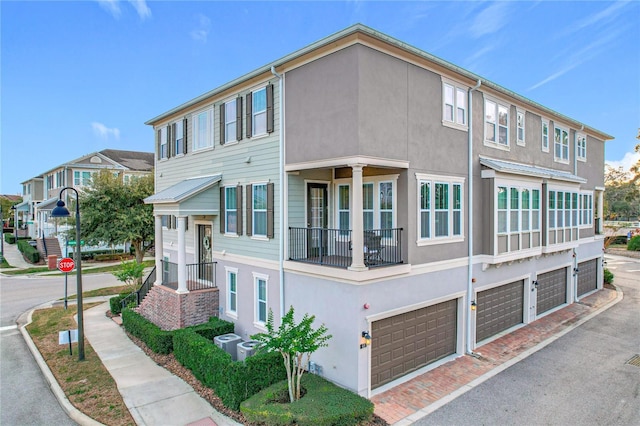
(30, 253)
(215, 327)
(115, 304)
(9, 238)
(232, 381)
(158, 340)
(323, 404)
(607, 276)
(634, 243)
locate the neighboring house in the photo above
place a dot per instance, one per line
(381, 189)
(41, 193)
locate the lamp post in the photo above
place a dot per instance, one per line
(61, 211)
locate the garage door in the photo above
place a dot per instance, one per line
(552, 290)
(498, 309)
(406, 342)
(587, 276)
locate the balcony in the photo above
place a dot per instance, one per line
(333, 247)
(199, 275)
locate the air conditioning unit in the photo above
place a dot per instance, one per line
(247, 349)
(228, 343)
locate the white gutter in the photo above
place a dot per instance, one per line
(282, 191)
(470, 300)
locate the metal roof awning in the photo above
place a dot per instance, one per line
(23, 206)
(47, 204)
(529, 170)
(183, 190)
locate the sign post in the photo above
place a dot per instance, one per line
(66, 265)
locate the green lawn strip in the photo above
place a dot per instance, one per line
(87, 384)
(107, 291)
(87, 268)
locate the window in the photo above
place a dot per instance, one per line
(581, 146)
(259, 110)
(261, 298)
(259, 219)
(561, 144)
(81, 178)
(454, 105)
(343, 209)
(545, 136)
(231, 210)
(514, 208)
(231, 121)
(440, 208)
(496, 128)
(520, 135)
(586, 209)
(386, 205)
(367, 206)
(179, 137)
(563, 209)
(163, 151)
(517, 213)
(232, 290)
(202, 125)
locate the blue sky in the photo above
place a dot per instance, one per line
(79, 77)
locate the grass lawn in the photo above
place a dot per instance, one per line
(87, 268)
(87, 384)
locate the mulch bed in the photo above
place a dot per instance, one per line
(170, 363)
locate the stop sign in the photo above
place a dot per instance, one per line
(66, 264)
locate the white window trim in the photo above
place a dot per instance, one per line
(581, 209)
(521, 142)
(253, 114)
(81, 184)
(256, 322)
(210, 130)
(580, 150)
(226, 119)
(164, 138)
(565, 190)
(226, 209)
(545, 121)
(228, 271)
(262, 237)
(561, 128)
(456, 86)
(177, 152)
(496, 144)
(450, 180)
(519, 185)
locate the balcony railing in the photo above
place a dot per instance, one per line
(333, 247)
(199, 275)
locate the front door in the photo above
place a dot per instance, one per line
(317, 219)
(205, 257)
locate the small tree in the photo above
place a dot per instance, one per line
(130, 273)
(293, 341)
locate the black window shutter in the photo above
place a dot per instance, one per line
(184, 135)
(174, 151)
(239, 208)
(239, 118)
(169, 141)
(248, 111)
(270, 188)
(158, 142)
(222, 124)
(249, 210)
(269, 108)
(223, 213)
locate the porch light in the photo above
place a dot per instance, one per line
(365, 340)
(473, 305)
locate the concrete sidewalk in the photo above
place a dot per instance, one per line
(14, 257)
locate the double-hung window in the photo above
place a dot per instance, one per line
(259, 210)
(231, 121)
(586, 209)
(81, 178)
(232, 290)
(378, 205)
(261, 285)
(496, 125)
(439, 208)
(178, 137)
(454, 109)
(545, 136)
(520, 131)
(367, 206)
(202, 130)
(231, 210)
(386, 205)
(163, 145)
(259, 112)
(343, 209)
(581, 146)
(560, 144)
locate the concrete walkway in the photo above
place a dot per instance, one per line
(14, 257)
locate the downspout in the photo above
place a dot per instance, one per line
(282, 191)
(470, 300)
(574, 273)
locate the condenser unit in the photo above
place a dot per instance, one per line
(247, 349)
(228, 343)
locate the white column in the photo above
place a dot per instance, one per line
(182, 255)
(600, 195)
(357, 244)
(159, 248)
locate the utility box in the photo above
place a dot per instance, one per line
(52, 262)
(247, 349)
(228, 343)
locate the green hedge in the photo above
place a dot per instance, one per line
(29, 252)
(232, 381)
(323, 404)
(215, 327)
(158, 340)
(9, 238)
(115, 305)
(634, 243)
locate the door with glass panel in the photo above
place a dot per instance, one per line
(317, 219)
(205, 256)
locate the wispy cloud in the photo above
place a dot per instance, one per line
(113, 8)
(201, 31)
(597, 19)
(490, 20)
(105, 132)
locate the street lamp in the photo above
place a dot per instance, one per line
(61, 211)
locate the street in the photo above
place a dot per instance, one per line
(25, 396)
(582, 378)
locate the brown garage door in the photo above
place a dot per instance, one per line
(587, 276)
(406, 342)
(552, 290)
(498, 309)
